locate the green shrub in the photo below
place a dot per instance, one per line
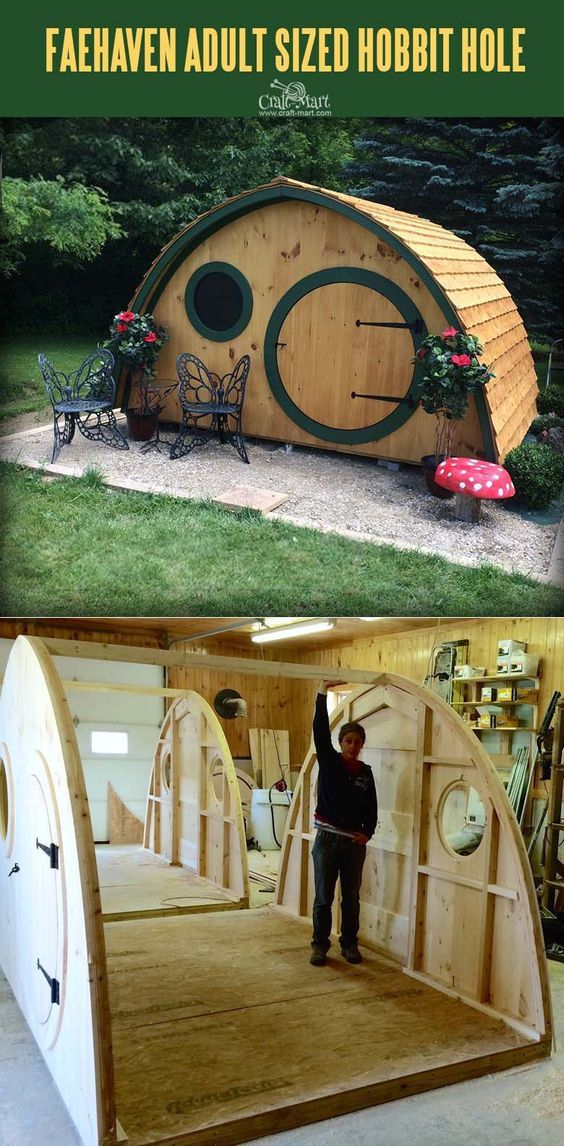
(551, 400)
(545, 422)
(537, 473)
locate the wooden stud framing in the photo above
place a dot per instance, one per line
(194, 814)
(51, 916)
(466, 923)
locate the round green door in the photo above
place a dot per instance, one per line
(340, 332)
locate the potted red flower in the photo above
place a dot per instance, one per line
(450, 373)
(138, 340)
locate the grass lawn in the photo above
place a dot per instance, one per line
(70, 546)
(21, 384)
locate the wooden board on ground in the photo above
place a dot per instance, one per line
(125, 826)
(195, 1020)
(136, 884)
(248, 497)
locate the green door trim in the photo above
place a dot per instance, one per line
(167, 263)
(299, 290)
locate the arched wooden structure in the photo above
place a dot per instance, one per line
(332, 294)
(194, 1012)
(51, 937)
(194, 814)
(467, 924)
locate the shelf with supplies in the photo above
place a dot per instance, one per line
(498, 704)
(502, 710)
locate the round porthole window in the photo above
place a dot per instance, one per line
(461, 818)
(219, 301)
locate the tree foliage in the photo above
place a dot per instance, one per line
(495, 182)
(121, 188)
(74, 222)
(155, 176)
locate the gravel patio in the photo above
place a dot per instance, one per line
(328, 491)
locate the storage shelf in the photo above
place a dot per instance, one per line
(502, 676)
(502, 728)
(507, 703)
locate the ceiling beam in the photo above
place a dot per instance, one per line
(195, 660)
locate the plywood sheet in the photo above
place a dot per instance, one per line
(195, 1021)
(125, 826)
(135, 883)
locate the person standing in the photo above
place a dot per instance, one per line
(345, 817)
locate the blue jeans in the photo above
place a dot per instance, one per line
(335, 856)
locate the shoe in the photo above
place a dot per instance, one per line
(351, 954)
(318, 956)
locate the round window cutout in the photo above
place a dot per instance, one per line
(462, 819)
(4, 802)
(219, 301)
(217, 778)
(166, 771)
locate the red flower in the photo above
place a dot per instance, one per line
(461, 360)
(151, 337)
(126, 315)
(450, 333)
(421, 353)
(121, 327)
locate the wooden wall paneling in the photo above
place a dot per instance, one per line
(50, 916)
(202, 826)
(445, 914)
(408, 654)
(125, 827)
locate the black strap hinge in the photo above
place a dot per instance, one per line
(52, 851)
(416, 326)
(408, 401)
(53, 983)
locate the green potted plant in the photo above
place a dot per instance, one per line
(450, 373)
(138, 340)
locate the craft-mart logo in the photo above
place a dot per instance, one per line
(292, 99)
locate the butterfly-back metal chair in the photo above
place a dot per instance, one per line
(83, 398)
(210, 404)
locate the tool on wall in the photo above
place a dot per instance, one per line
(545, 738)
(443, 659)
(228, 703)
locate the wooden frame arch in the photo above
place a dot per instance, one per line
(194, 815)
(467, 925)
(52, 945)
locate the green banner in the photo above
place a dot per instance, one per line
(296, 59)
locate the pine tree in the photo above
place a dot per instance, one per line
(495, 182)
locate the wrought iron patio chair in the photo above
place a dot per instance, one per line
(210, 404)
(83, 398)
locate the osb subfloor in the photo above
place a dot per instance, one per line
(135, 883)
(222, 1031)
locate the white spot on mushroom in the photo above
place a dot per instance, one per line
(477, 485)
(500, 491)
(489, 484)
(462, 484)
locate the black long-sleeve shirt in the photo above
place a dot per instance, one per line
(345, 799)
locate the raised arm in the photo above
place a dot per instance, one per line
(321, 730)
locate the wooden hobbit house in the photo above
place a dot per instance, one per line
(162, 1028)
(331, 296)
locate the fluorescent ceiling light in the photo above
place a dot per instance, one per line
(300, 630)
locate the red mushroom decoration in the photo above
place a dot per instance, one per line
(471, 480)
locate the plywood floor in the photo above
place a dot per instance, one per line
(222, 1031)
(135, 883)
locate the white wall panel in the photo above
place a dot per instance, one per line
(138, 714)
